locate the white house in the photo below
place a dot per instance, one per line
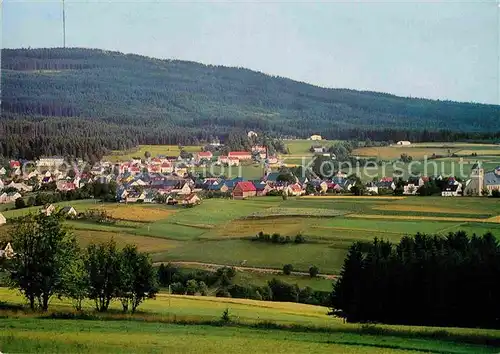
(372, 188)
(69, 211)
(9, 197)
(410, 189)
(251, 134)
(7, 251)
(2, 219)
(453, 190)
(50, 162)
(403, 143)
(315, 137)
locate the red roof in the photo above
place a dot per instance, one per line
(166, 164)
(205, 154)
(246, 186)
(239, 153)
(15, 164)
(296, 188)
(386, 179)
(234, 158)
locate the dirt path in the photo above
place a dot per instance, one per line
(213, 267)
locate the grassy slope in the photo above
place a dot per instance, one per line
(28, 334)
(217, 231)
(155, 150)
(64, 336)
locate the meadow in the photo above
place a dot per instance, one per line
(163, 324)
(219, 231)
(155, 150)
(421, 150)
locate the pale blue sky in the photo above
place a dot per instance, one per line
(445, 50)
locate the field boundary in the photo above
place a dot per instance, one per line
(214, 267)
(494, 220)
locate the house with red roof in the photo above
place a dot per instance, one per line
(228, 160)
(295, 189)
(262, 150)
(135, 170)
(65, 186)
(204, 155)
(241, 155)
(244, 189)
(166, 167)
(154, 168)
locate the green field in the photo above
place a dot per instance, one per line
(68, 336)
(155, 150)
(254, 171)
(164, 324)
(300, 147)
(219, 231)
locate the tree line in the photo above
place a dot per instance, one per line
(48, 263)
(199, 104)
(223, 282)
(423, 280)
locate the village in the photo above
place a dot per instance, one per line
(184, 180)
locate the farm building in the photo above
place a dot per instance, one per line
(403, 143)
(244, 190)
(453, 190)
(9, 197)
(191, 199)
(492, 180)
(48, 209)
(315, 137)
(6, 251)
(262, 188)
(295, 190)
(68, 211)
(241, 155)
(204, 155)
(2, 219)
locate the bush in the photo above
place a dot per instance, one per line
(19, 203)
(495, 193)
(287, 269)
(222, 293)
(178, 288)
(191, 287)
(313, 271)
(202, 288)
(299, 239)
(225, 316)
(166, 274)
(282, 291)
(277, 238)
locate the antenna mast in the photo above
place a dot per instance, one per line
(64, 24)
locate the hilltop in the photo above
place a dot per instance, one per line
(120, 97)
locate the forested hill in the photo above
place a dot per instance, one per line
(145, 100)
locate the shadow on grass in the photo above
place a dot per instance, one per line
(18, 311)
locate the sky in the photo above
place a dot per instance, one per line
(432, 49)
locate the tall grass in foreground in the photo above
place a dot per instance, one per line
(489, 338)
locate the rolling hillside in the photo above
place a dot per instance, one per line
(122, 96)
